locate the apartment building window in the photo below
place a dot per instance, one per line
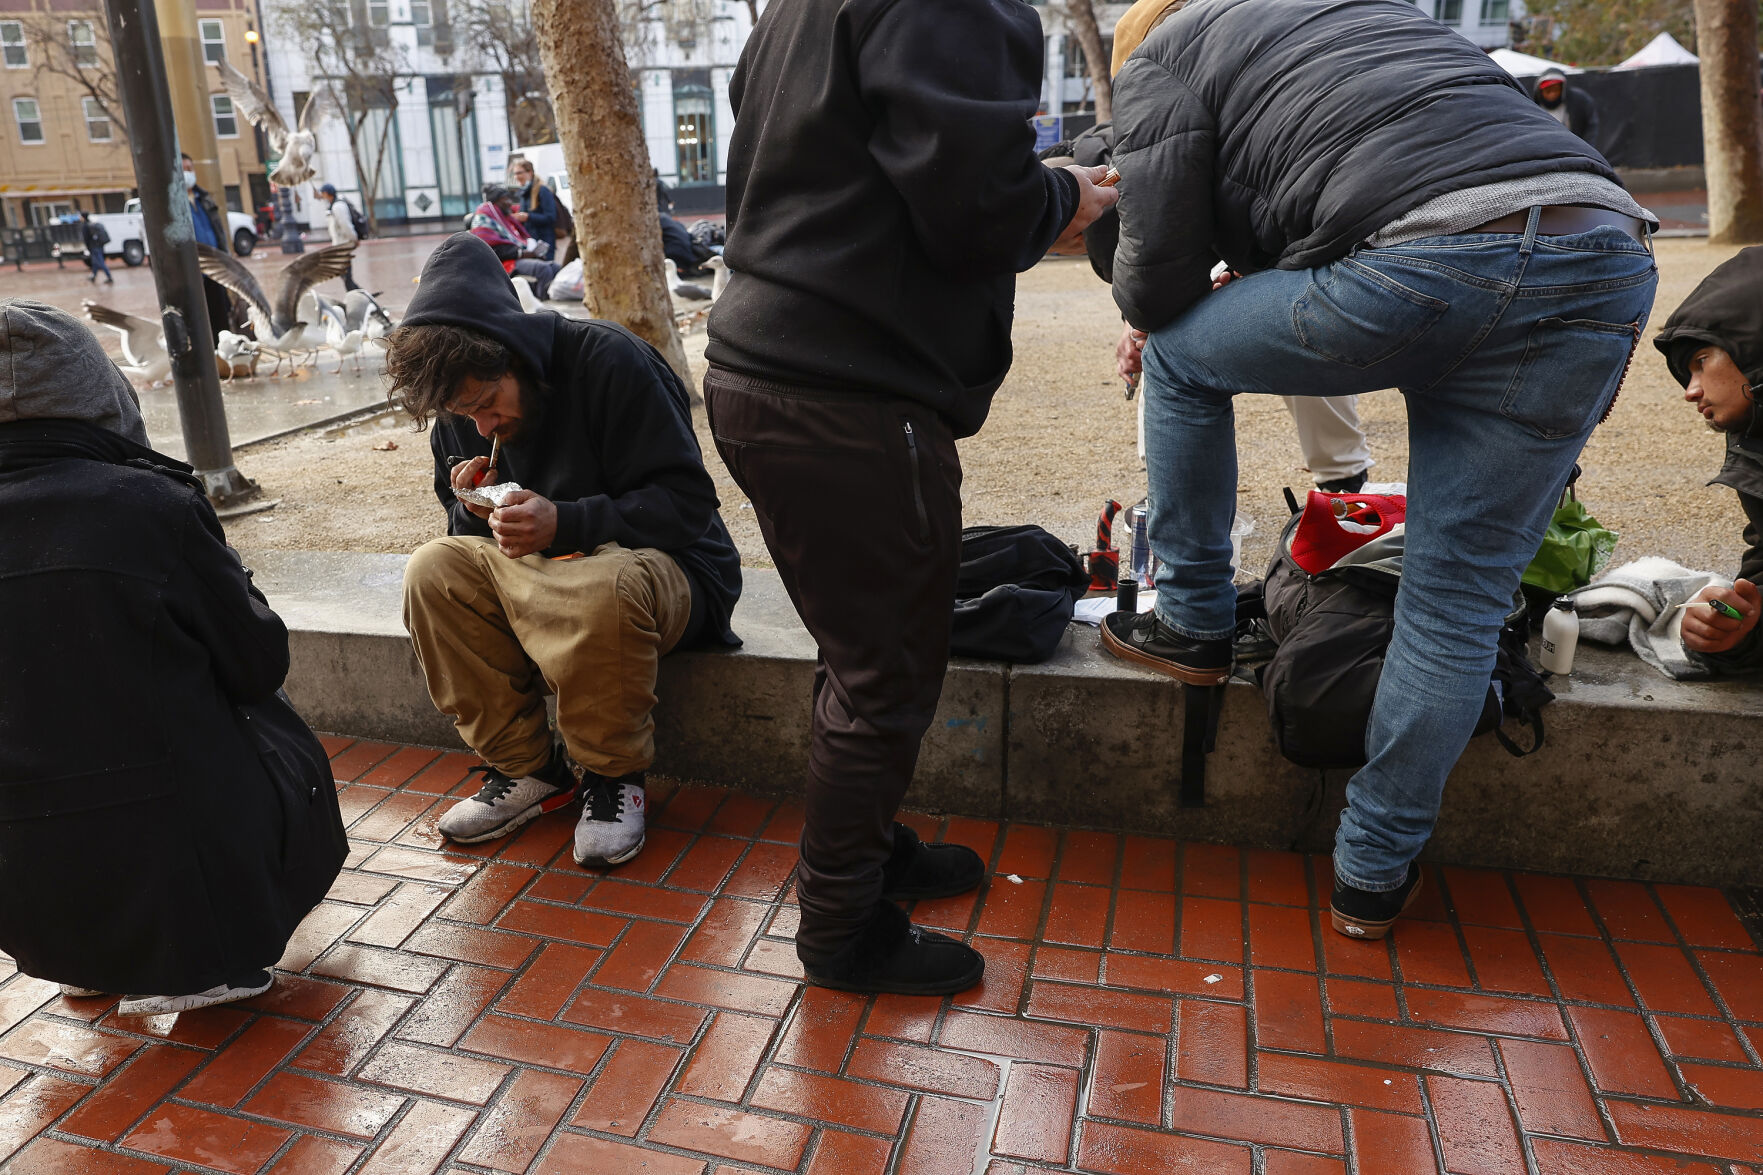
(423, 18)
(97, 120)
(12, 44)
(82, 41)
(1451, 11)
(379, 13)
(694, 116)
(213, 41)
(29, 119)
(1495, 11)
(226, 123)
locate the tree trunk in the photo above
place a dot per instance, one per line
(612, 196)
(1732, 123)
(1083, 23)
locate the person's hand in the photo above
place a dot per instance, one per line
(1127, 355)
(520, 216)
(1224, 279)
(524, 523)
(1706, 630)
(464, 476)
(1091, 203)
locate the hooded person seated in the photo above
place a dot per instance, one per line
(166, 819)
(1713, 344)
(493, 222)
(609, 555)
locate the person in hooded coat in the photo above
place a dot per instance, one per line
(166, 819)
(1572, 108)
(1713, 343)
(610, 555)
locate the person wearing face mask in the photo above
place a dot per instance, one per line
(1713, 344)
(210, 229)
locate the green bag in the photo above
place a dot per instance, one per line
(1575, 548)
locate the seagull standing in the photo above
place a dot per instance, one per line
(529, 301)
(143, 342)
(719, 267)
(343, 343)
(235, 351)
(683, 289)
(296, 147)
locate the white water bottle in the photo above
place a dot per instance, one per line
(1560, 638)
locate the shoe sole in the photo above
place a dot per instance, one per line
(1369, 929)
(1192, 676)
(608, 862)
(521, 818)
(942, 987)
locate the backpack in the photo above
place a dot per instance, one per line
(100, 235)
(357, 221)
(1332, 628)
(1014, 594)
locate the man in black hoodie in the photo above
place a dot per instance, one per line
(1713, 344)
(610, 554)
(883, 195)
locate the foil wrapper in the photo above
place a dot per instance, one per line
(492, 496)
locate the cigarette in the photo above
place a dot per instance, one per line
(1109, 180)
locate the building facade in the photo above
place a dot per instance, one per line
(64, 148)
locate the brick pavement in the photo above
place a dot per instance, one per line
(1149, 1006)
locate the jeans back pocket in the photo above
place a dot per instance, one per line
(1570, 372)
(1359, 316)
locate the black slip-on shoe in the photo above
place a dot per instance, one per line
(1351, 484)
(1361, 913)
(889, 954)
(920, 870)
(1142, 638)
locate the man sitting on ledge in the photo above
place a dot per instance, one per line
(609, 555)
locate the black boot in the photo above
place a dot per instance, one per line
(1363, 913)
(889, 954)
(920, 870)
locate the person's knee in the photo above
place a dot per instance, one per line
(435, 568)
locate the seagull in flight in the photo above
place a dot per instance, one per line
(276, 321)
(143, 342)
(297, 146)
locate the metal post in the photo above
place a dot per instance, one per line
(171, 242)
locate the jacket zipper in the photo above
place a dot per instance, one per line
(917, 485)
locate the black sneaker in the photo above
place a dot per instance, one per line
(891, 955)
(1360, 913)
(1141, 637)
(920, 870)
(1253, 642)
(1344, 485)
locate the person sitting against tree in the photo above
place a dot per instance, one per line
(610, 555)
(1713, 344)
(166, 819)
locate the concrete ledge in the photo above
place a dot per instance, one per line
(1641, 777)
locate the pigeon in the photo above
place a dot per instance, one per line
(277, 324)
(719, 267)
(681, 289)
(143, 342)
(529, 301)
(343, 342)
(296, 147)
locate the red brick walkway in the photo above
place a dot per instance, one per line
(1148, 1007)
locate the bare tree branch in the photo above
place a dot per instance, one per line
(54, 54)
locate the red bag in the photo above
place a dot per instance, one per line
(1335, 525)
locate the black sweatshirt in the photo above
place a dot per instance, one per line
(611, 443)
(883, 193)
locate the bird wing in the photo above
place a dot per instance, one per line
(226, 269)
(320, 105)
(254, 104)
(305, 272)
(328, 309)
(359, 306)
(140, 336)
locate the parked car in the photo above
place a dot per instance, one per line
(128, 238)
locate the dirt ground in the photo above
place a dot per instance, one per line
(1062, 439)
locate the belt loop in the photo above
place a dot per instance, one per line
(1530, 230)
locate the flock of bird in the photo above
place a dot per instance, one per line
(344, 327)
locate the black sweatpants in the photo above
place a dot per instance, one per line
(859, 499)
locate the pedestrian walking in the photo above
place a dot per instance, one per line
(96, 236)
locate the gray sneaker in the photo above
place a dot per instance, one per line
(503, 804)
(610, 831)
(225, 993)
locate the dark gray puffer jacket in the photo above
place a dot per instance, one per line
(1284, 132)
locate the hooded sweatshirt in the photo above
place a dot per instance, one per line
(1726, 311)
(607, 436)
(1573, 109)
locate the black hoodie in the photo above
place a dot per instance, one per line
(611, 441)
(1726, 311)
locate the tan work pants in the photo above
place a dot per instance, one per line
(494, 635)
(1329, 435)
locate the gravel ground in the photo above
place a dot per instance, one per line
(1062, 439)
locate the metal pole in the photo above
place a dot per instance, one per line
(171, 241)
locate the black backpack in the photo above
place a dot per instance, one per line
(100, 234)
(1332, 629)
(357, 221)
(1014, 594)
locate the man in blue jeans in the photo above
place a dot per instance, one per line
(1406, 217)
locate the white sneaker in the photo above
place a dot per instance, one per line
(504, 804)
(225, 993)
(610, 831)
(69, 991)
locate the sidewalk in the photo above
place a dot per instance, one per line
(1149, 1007)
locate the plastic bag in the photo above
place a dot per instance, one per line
(1576, 547)
(568, 286)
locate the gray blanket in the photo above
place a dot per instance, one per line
(1637, 604)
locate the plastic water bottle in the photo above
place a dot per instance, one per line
(1560, 638)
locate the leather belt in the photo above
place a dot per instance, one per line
(1560, 220)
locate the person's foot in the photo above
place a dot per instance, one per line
(1344, 485)
(611, 830)
(920, 870)
(69, 991)
(1142, 638)
(889, 954)
(256, 983)
(1363, 913)
(504, 803)
(1253, 642)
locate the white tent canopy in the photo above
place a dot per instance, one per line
(1523, 65)
(1661, 50)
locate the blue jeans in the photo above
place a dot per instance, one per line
(1508, 349)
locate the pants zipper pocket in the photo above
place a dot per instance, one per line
(917, 484)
